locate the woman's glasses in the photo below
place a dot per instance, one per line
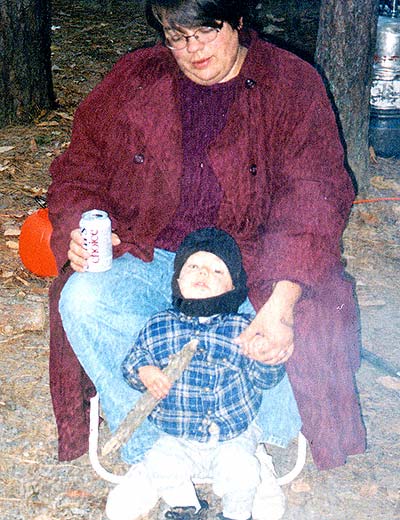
(177, 41)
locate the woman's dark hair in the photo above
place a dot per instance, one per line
(196, 13)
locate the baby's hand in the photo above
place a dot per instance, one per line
(155, 381)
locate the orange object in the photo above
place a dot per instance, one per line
(34, 244)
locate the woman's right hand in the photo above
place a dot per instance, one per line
(77, 254)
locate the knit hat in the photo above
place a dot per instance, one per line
(224, 246)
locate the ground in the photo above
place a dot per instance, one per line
(33, 484)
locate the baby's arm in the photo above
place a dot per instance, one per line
(155, 381)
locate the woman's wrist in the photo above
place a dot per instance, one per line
(283, 299)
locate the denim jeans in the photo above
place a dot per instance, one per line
(102, 314)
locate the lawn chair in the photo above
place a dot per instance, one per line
(115, 479)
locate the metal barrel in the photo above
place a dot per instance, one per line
(385, 89)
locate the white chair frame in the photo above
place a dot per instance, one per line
(115, 479)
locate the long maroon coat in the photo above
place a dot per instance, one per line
(286, 200)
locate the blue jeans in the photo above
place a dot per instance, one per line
(102, 314)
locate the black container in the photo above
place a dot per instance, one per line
(384, 132)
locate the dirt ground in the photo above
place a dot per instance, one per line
(33, 484)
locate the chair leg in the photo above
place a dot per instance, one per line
(116, 479)
(94, 441)
(300, 461)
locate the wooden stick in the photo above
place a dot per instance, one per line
(146, 403)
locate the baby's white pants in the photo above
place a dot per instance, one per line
(232, 467)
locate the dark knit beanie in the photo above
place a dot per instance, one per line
(221, 244)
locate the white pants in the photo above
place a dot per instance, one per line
(173, 463)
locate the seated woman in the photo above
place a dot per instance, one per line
(210, 127)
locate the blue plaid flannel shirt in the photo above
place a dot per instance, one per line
(221, 386)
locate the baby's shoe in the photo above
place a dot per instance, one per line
(269, 501)
(188, 513)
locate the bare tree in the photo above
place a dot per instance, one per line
(344, 54)
(25, 79)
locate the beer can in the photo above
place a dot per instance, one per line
(95, 227)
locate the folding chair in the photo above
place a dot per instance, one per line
(115, 479)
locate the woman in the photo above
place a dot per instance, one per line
(212, 127)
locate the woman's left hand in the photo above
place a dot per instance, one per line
(269, 338)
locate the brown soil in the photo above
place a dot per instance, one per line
(34, 485)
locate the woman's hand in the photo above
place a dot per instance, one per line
(77, 255)
(269, 338)
(155, 381)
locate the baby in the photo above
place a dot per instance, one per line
(207, 418)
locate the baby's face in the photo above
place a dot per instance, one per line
(204, 275)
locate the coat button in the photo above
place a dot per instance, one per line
(253, 169)
(250, 83)
(138, 158)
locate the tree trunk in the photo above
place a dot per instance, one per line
(344, 54)
(25, 81)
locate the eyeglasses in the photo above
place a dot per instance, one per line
(178, 41)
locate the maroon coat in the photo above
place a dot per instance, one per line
(286, 200)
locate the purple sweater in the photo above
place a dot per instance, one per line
(204, 112)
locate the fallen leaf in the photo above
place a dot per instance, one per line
(372, 155)
(43, 112)
(33, 145)
(22, 280)
(34, 189)
(48, 123)
(389, 382)
(4, 149)
(300, 486)
(39, 290)
(64, 115)
(77, 493)
(369, 218)
(270, 29)
(12, 232)
(19, 214)
(381, 183)
(12, 244)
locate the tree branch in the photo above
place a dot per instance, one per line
(146, 403)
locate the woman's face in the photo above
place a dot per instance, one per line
(214, 62)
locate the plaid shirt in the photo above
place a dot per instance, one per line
(220, 387)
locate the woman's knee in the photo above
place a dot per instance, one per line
(79, 296)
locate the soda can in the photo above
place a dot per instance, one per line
(95, 227)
